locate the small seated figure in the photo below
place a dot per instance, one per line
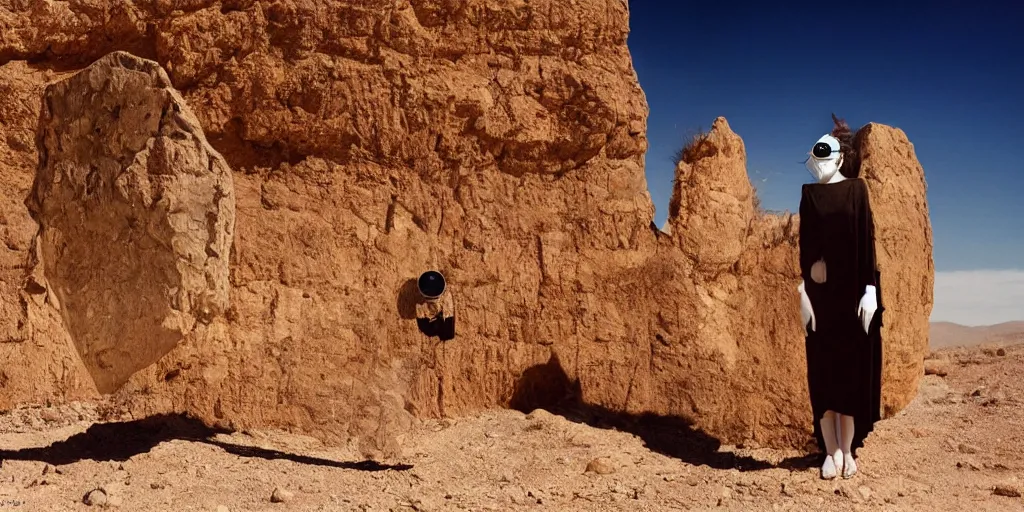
(840, 301)
(435, 314)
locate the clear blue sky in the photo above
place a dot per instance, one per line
(951, 77)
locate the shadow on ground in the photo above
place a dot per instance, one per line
(121, 441)
(547, 387)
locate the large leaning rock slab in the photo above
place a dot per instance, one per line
(135, 213)
(903, 244)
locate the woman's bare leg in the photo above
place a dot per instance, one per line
(846, 440)
(830, 468)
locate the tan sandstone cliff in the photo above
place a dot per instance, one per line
(499, 142)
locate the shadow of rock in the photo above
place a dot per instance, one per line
(547, 386)
(408, 297)
(123, 440)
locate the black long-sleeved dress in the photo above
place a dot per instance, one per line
(844, 364)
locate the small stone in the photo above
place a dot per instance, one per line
(1010, 491)
(865, 492)
(280, 495)
(95, 498)
(601, 466)
(936, 367)
(538, 414)
(49, 415)
(967, 448)
(1000, 352)
(786, 490)
(725, 492)
(156, 485)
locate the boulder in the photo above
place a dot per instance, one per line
(135, 212)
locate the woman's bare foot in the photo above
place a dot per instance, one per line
(849, 465)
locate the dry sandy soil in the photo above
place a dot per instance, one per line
(958, 446)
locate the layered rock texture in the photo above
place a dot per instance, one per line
(499, 142)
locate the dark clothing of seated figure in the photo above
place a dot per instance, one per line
(440, 327)
(436, 318)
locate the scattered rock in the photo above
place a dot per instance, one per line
(539, 414)
(787, 490)
(1008, 490)
(601, 466)
(95, 498)
(222, 508)
(1000, 352)
(967, 448)
(724, 492)
(865, 492)
(937, 367)
(49, 415)
(281, 495)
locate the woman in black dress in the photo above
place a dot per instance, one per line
(840, 301)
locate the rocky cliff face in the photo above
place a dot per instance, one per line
(501, 143)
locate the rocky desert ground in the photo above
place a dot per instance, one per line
(957, 446)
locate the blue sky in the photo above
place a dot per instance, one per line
(951, 77)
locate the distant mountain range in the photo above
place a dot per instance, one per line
(949, 334)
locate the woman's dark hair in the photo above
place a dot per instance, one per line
(851, 158)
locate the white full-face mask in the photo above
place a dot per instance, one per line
(825, 160)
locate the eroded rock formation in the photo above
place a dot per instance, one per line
(501, 143)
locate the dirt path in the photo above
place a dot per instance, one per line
(957, 442)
